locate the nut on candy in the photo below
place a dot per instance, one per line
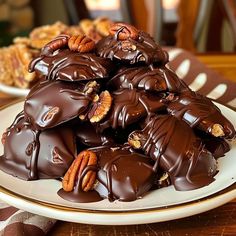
(164, 180)
(124, 31)
(136, 139)
(100, 107)
(91, 87)
(76, 171)
(217, 130)
(128, 46)
(81, 43)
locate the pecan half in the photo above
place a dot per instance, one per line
(76, 172)
(57, 43)
(91, 87)
(124, 31)
(136, 139)
(81, 43)
(217, 130)
(100, 107)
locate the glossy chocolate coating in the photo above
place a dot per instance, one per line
(87, 134)
(147, 78)
(176, 150)
(144, 50)
(217, 146)
(72, 66)
(30, 154)
(64, 99)
(200, 112)
(126, 175)
(129, 106)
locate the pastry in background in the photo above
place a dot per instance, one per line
(40, 36)
(14, 59)
(14, 62)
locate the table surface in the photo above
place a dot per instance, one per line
(220, 221)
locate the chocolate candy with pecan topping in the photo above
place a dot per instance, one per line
(67, 65)
(148, 78)
(124, 175)
(176, 150)
(129, 106)
(51, 103)
(141, 50)
(30, 154)
(200, 112)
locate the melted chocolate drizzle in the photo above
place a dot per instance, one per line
(147, 78)
(198, 111)
(144, 50)
(186, 160)
(72, 66)
(129, 106)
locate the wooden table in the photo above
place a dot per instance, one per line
(220, 221)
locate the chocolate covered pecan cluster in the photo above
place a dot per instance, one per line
(112, 121)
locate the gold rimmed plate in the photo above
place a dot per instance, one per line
(41, 197)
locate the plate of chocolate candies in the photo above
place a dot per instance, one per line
(112, 136)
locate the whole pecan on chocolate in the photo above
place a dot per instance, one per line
(81, 43)
(100, 106)
(80, 172)
(124, 31)
(57, 43)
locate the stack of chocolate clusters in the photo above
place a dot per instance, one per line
(112, 121)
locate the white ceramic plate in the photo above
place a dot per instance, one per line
(41, 197)
(11, 90)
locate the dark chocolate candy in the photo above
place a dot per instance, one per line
(200, 112)
(143, 50)
(87, 134)
(129, 106)
(147, 78)
(176, 150)
(126, 175)
(51, 103)
(30, 154)
(217, 146)
(72, 66)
